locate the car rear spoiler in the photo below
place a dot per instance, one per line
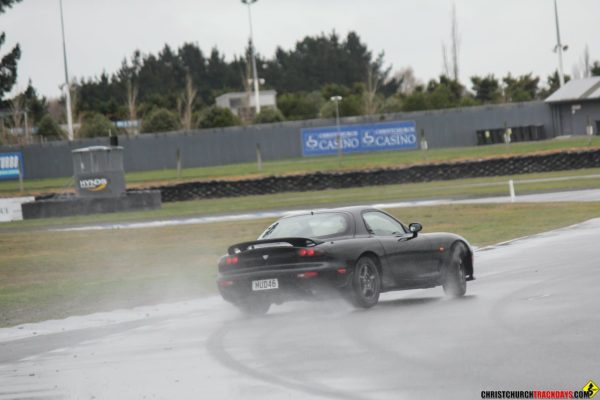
(294, 241)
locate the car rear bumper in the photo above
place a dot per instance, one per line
(293, 283)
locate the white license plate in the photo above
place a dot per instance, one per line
(265, 284)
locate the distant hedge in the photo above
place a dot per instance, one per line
(160, 120)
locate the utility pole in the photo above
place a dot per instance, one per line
(254, 71)
(455, 44)
(559, 48)
(67, 84)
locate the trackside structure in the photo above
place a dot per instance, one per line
(99, 171)
(575, 108)
(99, 188)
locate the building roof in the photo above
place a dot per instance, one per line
(577, 89)
(242, 94)
(93, 149)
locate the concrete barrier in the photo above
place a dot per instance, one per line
(71, 205)
(10, 208)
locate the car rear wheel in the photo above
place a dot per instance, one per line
(455, 282)
(366, 283)
(253, 306)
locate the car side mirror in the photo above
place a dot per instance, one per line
(415, 228)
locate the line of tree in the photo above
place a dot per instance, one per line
(176, 88)
(8, 62)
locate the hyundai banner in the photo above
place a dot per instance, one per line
(9, 165)
(397, 135)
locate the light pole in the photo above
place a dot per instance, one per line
(559, 48)
(336, 100)
(254, 72)
(67, 85)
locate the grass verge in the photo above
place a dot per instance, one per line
(45, 275)
(460, 188)
(313, 164)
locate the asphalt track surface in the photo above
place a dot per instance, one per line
(530, 321)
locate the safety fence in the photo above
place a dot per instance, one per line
(452, 127)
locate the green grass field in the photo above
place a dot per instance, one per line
(303, 165)
(461, 188)
(46, 275)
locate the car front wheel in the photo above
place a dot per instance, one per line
(455, 282)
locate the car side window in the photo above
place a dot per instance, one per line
(382, 225)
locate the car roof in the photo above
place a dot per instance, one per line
(355, 210)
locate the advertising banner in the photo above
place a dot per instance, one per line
(9, 165)
(385, 136)
(10, 209)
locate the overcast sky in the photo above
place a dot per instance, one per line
(497, 36)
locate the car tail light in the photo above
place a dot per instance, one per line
(232, 260)
(309, 274)
(308, 252)
(225, 283)
(342, 271)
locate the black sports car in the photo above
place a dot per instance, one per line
(358, 252)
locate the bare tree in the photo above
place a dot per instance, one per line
(3, 132)
(16, 111)
(55, 109)
(446, 65)
(17, 108)
(371, 106)
(5, 136)
(77, 116)
(378, 76)
(129, 74)
(407, 79)
(583, 68)
(186, 103)
(576, 72)
(132, 93)
(587, 69)
(455, 41)
(245, 112)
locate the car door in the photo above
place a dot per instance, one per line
(409, 256)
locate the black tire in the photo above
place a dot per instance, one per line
(455, 281)
(253, 306)
(366, 283)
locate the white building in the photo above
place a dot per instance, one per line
(242, 104)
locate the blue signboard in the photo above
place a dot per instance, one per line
(397, 135)
(9, 165)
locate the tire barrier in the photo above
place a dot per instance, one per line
(499, 166)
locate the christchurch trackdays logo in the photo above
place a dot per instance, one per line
(93, 185)
(591, 389)
(588, 391)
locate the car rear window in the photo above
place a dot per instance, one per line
(320, 225)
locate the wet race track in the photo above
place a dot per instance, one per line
(531, 321)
